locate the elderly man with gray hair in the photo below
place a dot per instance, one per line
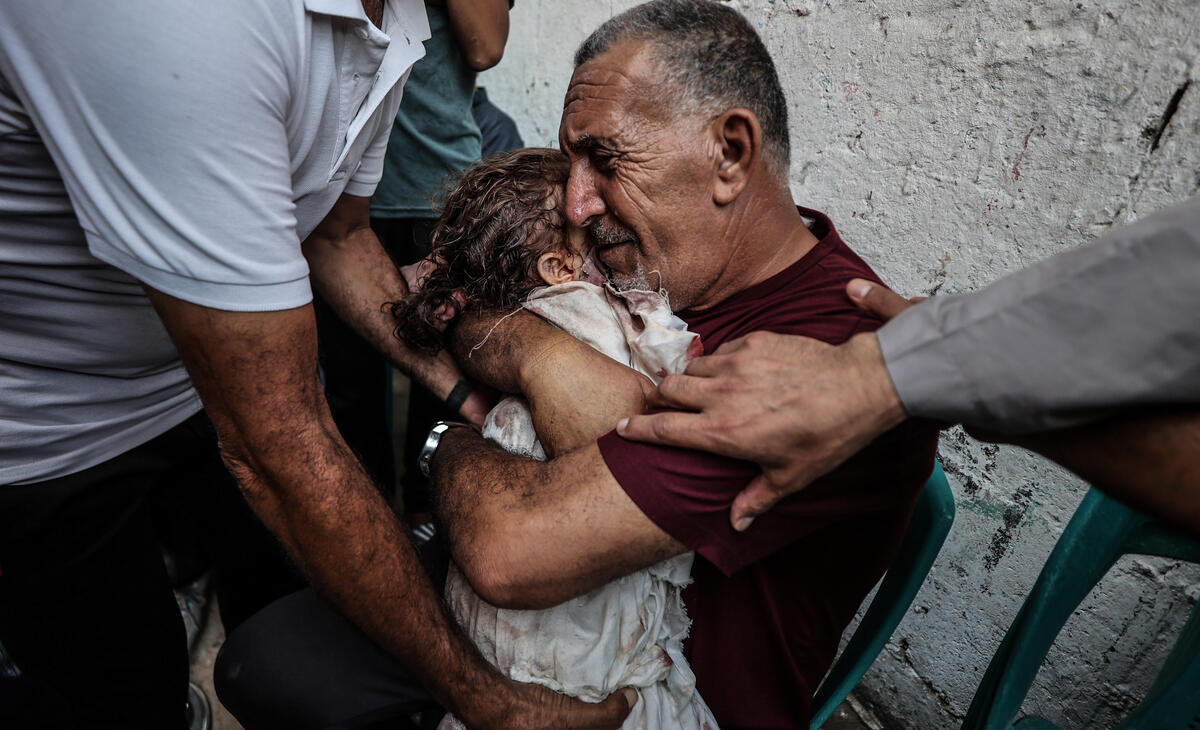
(676, 130)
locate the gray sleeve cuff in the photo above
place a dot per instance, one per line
(928, 379)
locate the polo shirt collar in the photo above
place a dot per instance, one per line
(406, 26)
(342, 8)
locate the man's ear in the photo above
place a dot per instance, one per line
(738, 137)
(559, 267)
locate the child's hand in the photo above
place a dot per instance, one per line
(415, 275)
(477, 405)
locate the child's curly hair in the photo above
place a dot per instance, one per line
(500, 217)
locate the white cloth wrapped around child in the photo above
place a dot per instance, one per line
(629, 632)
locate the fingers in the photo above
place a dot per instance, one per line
(876, 298)
(758, 497)
(687, 392)
(672, 428)
(649, 392)
(654, 398)
(415, 274)
(728, 347)
(553, 710)
(443, 315)
(719, 363)
(475, 408)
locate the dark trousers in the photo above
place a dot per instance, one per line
(299, 665)
(356, 380)
(86, 604)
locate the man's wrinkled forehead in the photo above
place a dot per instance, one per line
(603, 91)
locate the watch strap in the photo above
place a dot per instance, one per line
(425, 458)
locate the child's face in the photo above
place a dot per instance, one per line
(575, 239)
(577, 243)
(589, 271)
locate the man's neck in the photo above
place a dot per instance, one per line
(766, 236)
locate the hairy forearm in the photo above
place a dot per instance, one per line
(483, 493)
(1150, 460)
(317, 498)
(575, 393)
(530, 534)
(355, 276)
(492, 345)
(256, 374)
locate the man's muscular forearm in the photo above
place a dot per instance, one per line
(314, 495)
(480, 493)
(532, 534)
(353, 273)
(256, 375)
(493, 346)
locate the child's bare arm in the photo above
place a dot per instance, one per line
(576, 393)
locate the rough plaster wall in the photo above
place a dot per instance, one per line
(953, 142)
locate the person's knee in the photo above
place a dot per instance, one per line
(252, 687)
(230, 681)
(299, 664)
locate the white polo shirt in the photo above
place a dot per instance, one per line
(190, 146)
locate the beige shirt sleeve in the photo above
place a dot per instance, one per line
(1110, 325)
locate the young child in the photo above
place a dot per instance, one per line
(501, 235)
(503, 242)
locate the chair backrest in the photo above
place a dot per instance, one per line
(1101, 530)
(931, 520)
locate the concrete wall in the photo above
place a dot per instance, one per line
(953, 142)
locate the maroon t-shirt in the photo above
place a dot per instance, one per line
(769, 605)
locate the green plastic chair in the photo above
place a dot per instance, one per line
(1101, 531)
(931, 520)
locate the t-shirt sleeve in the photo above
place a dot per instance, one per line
(688, 494)
(370, 169)
(168, 126)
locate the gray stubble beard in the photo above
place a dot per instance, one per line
(601, 233)
(636, 281)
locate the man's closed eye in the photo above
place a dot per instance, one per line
(604, 162)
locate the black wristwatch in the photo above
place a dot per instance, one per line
(431, 444)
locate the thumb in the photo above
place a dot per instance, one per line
(758, 497)
(876, 298)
